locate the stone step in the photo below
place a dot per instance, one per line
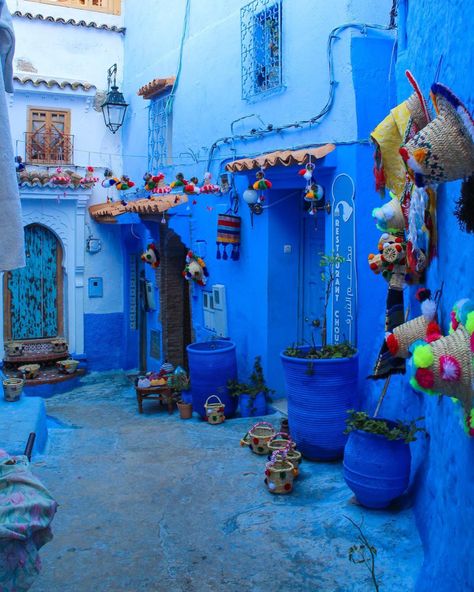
(18, 420)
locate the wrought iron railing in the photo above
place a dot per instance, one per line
(49, 148)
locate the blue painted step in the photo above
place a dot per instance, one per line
(18, 420)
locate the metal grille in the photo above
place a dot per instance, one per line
(155, 344)
(157, 134)
(260, 35)
(51, 147)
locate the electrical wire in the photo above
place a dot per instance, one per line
(271, 129)
(171, 96)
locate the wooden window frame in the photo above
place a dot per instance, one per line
(112, 7)
(67, 132)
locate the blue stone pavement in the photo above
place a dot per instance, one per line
(153, 503)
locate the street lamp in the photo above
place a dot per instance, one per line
(114, 106)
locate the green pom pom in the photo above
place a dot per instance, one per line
(423, 356)
(470, 323)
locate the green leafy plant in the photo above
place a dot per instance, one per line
(363, 553)
(328, 271)
(254, 386)
(397, 430)
(179, 382)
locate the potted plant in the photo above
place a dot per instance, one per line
(321, 383)
(254, 395)
(179, 382)
(377, 457)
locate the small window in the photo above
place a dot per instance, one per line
(159, 133)
(110, 6)
(260, 30)
(48, 140)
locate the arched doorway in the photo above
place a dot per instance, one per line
(33, 295)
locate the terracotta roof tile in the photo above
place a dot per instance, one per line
(50, 83)
(156, 87)
(279, 158)
(51, 19)
(107, 212)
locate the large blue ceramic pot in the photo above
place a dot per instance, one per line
(211, 365)
(319, 394)
(376, 469)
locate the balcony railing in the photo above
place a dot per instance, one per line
(49, 148)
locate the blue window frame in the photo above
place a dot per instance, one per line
(158, 133)
(260, 35)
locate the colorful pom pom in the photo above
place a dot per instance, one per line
(449, 368)
(433, 332)
(425, 378)
(470, 323)
(423, 356)
(392, 344)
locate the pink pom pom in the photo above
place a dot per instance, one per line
(449, 368)
(472, 343)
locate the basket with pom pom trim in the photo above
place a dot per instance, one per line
(214, 411)
(258, 437)
(279, 474)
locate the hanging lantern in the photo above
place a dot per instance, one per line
(250, 196)
(114, 106)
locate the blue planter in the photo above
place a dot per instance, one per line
(376, 469)
(318, 403)
(211, 365)
(251, 408)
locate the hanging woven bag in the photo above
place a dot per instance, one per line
(214, 411)
(258, 436)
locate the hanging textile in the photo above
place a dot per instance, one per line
(11, 227)
(228, 234)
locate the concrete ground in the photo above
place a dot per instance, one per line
(154, 503)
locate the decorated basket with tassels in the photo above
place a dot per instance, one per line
(228, 235)
(280, 441)
(280, 473)
(258, 437)
(214, 410)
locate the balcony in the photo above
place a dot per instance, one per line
(49, 148)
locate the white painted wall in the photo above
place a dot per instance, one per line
(57, 51)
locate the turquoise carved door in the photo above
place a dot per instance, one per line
(34, 293)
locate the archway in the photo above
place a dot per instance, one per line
(33, 295)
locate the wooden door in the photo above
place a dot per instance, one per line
(33, 294)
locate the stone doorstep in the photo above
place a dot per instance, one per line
(18, 420)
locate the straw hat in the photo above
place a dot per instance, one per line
(445, 366)
(444, 149)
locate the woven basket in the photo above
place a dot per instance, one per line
(281, 441)
(214, 411)
(279, 475)
(12, 389)
(408, 333)
(29, 371)
(444, 149)
(258, 437)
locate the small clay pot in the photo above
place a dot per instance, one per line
(185, 409)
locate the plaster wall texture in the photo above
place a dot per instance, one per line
(442, 470)
(262, 287)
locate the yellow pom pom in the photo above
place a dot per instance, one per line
(470, 322)
(420, 154)
(423, 356)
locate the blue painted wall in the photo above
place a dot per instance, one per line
(442, 482)
(262, 288)
(103, 341)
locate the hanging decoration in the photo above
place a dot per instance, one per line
(124, 184)
(195, 269)
(191, 187)
(391, 257)
(151, 256)
(152, 181)
(208, 186)
(261, 184)
(178, 182)
(89, 178)
(228, 234)
(60, 178)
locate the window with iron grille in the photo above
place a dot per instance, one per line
(159, 133)
(110, 6)
(260, 35)
(48, 140)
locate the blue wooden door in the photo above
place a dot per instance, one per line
(34, 292)
(311, 292)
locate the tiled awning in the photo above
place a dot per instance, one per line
(279, 158)
(62, 83)
(156, 87)
(106, 213)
